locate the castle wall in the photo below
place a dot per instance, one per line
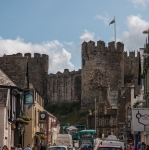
(38, 70)
(64, 87)
(131, 65)
(15, 66)
(101, 67)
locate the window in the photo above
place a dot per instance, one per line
(35, 118)
(100, 122)
(114, 121)
(107, 121)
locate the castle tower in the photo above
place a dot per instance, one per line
(38, 70)
(102, 68)
(15, 66)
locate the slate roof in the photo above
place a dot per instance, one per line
(4, 80)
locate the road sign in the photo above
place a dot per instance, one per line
(140, 119)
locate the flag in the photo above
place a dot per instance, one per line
(30, 106)
(145, 31)
(113, 21)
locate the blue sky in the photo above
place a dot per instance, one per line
(57, 28)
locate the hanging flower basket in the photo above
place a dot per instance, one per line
(42, 136)
(13, 126)
(26, 118)
(36, 136)
(22, 121)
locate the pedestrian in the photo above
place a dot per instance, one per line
(5, 147)
(147, 147)
(18, 147)
(143, 146)
(27, 148)
(132, 147)
(54, 144)
(49, 144)
(139, 146)
(34, 147)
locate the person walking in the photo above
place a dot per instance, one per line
(139, 146)
(18, 147)
(27, 148)
(143, 146)
(147, 147)
(5, 147)
(132, 147)
(34, 147)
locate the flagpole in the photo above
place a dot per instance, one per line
(115, 30)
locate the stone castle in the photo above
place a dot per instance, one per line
(103, 67)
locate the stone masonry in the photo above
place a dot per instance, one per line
(102, 67)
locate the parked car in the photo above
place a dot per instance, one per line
(58, 148)
(109, 147)
(71, 148)
(86, 146)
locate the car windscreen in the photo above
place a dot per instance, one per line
(109, 148)
(56, 148)
(85, 145)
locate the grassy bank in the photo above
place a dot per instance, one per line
(68, 113)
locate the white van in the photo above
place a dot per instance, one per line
(64, 139)
(113, 141)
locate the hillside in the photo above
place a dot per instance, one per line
(68, 113)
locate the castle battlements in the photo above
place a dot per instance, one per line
(66, 72)
(101, 46)
(29, 55)
(131, 54)
(36, 55)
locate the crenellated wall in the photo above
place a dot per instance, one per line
(101, 67)
(15, 66)
(131, 65)
(38, 70)
(64, 86)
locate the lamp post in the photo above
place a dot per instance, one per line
(95, 113)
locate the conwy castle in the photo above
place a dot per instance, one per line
(106, 72)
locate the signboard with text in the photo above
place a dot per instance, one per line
(29, 97)
(42, 117)
(140, 119)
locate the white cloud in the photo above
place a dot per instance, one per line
(105, 19)
(140, 3)
(87, 36)
(134, 38)
(59, 58)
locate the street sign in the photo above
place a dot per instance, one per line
(140, 119)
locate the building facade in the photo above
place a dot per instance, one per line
(40, 129)
(11, 112)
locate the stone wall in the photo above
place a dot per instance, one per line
(101, 67)
(15, 66)
(131, 65)
(64, 87)
(38, 70)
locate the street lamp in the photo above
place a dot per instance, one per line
(95, 113)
